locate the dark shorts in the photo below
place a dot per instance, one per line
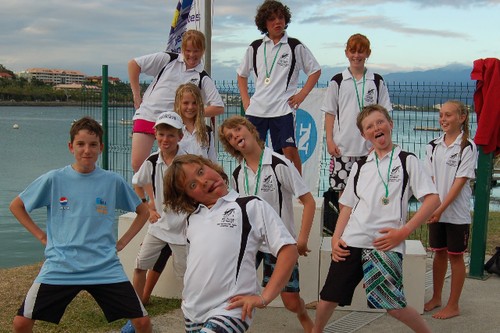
(143, 126)
(282, 130)
(293, 285)
(383, 279)
(451, 237)
(339, 171)
(217, 324)
(48, 302)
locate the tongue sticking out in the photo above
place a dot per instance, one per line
(380, 138)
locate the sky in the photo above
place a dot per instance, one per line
(405, 35)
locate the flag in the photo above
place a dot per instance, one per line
(178, 26)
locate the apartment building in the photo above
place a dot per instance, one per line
(53, 76)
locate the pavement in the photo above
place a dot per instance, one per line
(479, 306)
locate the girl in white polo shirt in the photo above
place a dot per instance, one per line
(451, 160)
(198, 138)
(224, 232)
(368, 242)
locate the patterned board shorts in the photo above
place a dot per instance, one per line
(339, 171)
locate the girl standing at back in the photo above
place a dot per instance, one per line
(198, 138)
(451, 159)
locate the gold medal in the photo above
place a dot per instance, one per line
(267, 81)
(385, 201)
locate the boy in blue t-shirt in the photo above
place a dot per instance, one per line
(80, 246)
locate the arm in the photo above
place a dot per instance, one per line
(134, 71)
(141, 218)
(213, 110)
(286, 259)
(148, 189)
(19, 211)
(307, 220)
(454, 191)
(392, 237)
(338, 245)
(298, 98)
(243, 87)
(332, 148)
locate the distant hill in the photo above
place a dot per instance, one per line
(451, 73)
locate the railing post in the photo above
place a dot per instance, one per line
(482, 190)
(105, 125)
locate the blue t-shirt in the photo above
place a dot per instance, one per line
(81, 243)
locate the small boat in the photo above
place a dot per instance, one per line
(422, 128)
(15, 126)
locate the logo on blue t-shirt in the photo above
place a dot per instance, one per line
(101, 206)
(306, 134)
(63, 202)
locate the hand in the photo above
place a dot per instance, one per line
(154, 216)
(434, 217)
(119, 246)
(333, 149)
(296, 100)
(137, 101)
(339, 251)
(390, 239)
(302, 248)
(246, 303)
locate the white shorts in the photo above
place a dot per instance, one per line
(150, 250)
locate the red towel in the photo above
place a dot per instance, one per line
(487, 103)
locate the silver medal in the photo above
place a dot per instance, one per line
(267, 81)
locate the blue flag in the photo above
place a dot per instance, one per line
(178, 26)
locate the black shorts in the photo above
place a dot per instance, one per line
(343, 278)
(447, 236)
(48, 302)
(282, 130)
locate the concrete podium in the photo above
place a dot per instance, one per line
(413, 276)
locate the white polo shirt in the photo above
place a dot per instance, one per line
(222, 246)
(171, 226)
(191, 145)
(160, 94)
(343, 105)
(271, 100)
(369, 215)
(446, 164)
(279, 184)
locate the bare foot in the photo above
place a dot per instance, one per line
(446, 313)
(306, 322)
(432, 304)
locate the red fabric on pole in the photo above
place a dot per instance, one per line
(487, 103)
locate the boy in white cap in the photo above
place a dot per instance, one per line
(165, 234)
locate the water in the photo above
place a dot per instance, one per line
(41, 144)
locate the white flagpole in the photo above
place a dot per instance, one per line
(208, 36)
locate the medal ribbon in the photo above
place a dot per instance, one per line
(386, 185)
(247, 188)
(268, 73)
(361, 102)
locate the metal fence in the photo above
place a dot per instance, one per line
(415, 116)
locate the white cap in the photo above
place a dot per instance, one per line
(170, 118)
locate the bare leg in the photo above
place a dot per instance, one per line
(324, 311)
(22, 324)
(141, 148)
(439, 267)
(151, 280)
(139, 280)
(292, 153)
(295, 304)
(411, 318)
(457, 282)
(142, 325)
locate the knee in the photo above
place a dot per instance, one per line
(293, 303)
(22, 324)
(142, 324)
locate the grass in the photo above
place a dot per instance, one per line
(82, 315)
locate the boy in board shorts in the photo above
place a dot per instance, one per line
(368, 242)
(80, 247)
(275, 62)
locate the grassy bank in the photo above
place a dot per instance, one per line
(82, 315)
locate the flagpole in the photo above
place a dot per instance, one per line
(208, 36)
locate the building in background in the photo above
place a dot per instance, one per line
(53, 76)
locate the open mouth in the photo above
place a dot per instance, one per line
(379, 135)
(241, 143)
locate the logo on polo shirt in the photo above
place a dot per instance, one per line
(452, 161)
(306, 133)
(228, 218)
(267, 184)
(370, 97)
(194, 81)
(284, 60)
(395, 172)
